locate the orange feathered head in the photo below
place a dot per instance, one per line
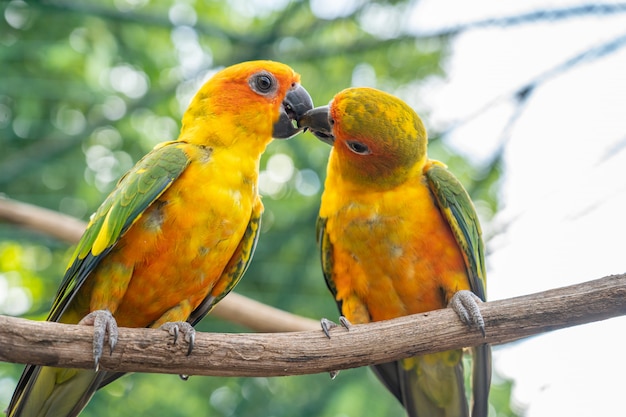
(264, 97)
(376, 137)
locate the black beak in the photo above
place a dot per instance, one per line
(297, 102)
(318, 120)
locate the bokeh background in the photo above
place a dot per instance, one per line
(526, 103)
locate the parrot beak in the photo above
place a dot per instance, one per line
(318, 120)
(297, 102)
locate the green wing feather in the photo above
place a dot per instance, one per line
(326, 256)
(134, 193)
(458, 210)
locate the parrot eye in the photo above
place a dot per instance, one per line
(262, 83)
(358, 148)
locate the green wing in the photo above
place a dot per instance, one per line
(134, 193)
(326, 255)
(234, 270)
(458, 210)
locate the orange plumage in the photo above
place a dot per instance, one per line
(399, 236)
(178, 231)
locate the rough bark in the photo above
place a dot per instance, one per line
(307, 352)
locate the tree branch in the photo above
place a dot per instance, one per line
(219, 354)
(531, 17)
(57, 225)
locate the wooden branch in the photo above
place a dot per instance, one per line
(42, 220)
(234, 307)
(149, 350)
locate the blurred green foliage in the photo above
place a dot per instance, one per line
(87, 88)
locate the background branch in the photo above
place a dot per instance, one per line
(149, 350)
(542, 15)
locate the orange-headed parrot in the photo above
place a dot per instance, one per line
(399, 235)
(177, 232)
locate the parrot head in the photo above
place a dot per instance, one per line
(376, 137)
(265, 96)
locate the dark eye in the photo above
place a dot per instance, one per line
(358, 147)
(262, 83)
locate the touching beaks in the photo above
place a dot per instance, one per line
(297, 102)
(318, 120)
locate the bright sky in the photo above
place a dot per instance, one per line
(564, 190)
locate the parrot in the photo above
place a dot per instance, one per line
(177, 232)
(399, 235)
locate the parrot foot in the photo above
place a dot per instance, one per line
(329, 324)
(103, 323)
(176, 327)
(465, 304)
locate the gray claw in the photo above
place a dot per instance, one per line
(465, 304)
(326, 326)
(103, 323)
(176, 327)
(329, 324)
